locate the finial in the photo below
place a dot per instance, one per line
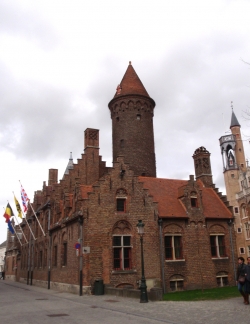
(129, 62)
(232, 105)
(71, 158)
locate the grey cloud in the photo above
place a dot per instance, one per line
(17, 20)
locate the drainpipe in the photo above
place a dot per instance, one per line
(29, 257)
(80, 221)
(230, 223)
(162, 256)
(49, 254)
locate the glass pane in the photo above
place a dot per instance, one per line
(172, 285)
(218, 280)
(221, 245)
(126, 240)
(127, 260)
(117, 259)
(178, 247)
(117, 241)
(213, 245)
(120, 204)
(225, 281)
(179, 285)
(168, 247)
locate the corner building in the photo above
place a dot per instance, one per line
(188, 242)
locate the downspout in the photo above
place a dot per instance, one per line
(80, 221)
(29, 258)
(49, 254)
(230, 223)
(162, 256)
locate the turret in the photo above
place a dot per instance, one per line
(132, 112)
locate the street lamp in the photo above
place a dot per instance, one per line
(143, 287)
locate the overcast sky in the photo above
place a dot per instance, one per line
(61, 61)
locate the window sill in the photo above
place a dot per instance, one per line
(179, 260)
(123, 271)
(222, 258)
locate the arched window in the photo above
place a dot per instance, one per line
(176, 283)
(222, 279)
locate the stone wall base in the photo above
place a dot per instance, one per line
(73, 289)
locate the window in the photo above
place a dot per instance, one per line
(217, 243)
(232, 175)
(173, 247)
(122, 143)
(248, 250)
(222, 279)
(194, 201)
(64, 256)
(247, 229)
(120, 204)
(122, 252)
(236, 210)
(138, 117)
(242, 250)
(239, 230)
(45, 257)
(176, 283)
(55, 256)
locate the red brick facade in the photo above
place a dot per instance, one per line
(188, 243)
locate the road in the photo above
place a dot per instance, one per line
(24, 304)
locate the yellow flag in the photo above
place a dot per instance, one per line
(18, 208)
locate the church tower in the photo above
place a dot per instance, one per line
(233, 158)
(132, 112)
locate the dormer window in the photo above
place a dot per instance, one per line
(193, 199)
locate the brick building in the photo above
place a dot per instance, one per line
(188, 241)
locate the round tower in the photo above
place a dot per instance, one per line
(132, 112)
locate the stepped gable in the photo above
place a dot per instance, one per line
(165, 193)
(213, 206)
(130, 84)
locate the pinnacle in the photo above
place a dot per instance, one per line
(131, 84)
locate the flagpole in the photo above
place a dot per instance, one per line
(27, 200)
(17, 235)
(19, 224)
(36, 218)
(28, 225)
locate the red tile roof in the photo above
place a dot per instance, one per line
(165, 192)
(131, 84)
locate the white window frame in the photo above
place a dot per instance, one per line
(242, 250)
(122, 246)
(247, 230)
(218, 256)
(221, 280)
(173, 248)
(175, 284)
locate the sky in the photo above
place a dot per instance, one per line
(61, 61)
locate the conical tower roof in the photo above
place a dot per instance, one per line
(130, 84)
(234, 120)
(70, 165)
